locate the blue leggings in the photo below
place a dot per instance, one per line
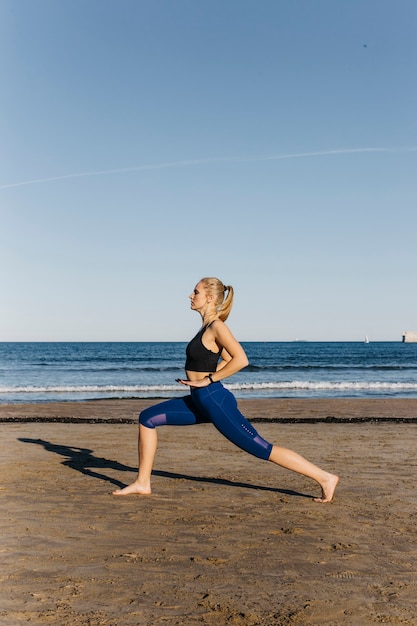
(212, 404)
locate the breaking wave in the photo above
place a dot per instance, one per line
(271, 386)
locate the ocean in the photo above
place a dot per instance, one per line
(45, 372)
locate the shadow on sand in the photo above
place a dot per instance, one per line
(83, 460)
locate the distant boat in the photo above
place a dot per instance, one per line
(366, 339)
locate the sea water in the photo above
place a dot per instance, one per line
(42, 372)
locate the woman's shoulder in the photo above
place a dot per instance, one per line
(216, 323)
(219, 327)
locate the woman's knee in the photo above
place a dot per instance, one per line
(151, 419)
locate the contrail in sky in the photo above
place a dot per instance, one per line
(172, 164)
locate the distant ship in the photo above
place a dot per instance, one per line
(366, 339)
(410, 336)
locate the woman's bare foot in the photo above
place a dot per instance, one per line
(135, 488)
(328, 487)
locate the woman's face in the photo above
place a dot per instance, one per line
(199, 297)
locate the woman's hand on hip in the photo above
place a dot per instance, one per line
(203, 382)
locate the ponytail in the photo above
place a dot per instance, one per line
(226, 306)
(222, 301)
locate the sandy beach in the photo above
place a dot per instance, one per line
(225, 538)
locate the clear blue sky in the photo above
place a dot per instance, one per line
(145, 144)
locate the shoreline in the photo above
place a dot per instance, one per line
(264, 410)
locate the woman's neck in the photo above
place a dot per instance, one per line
(207, 318)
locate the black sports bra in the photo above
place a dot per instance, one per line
(199, 358)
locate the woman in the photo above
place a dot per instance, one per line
(209, 401)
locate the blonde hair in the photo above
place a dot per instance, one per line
(223, 303)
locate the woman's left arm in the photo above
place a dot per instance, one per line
(235, 358)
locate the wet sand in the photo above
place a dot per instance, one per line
(225, 538)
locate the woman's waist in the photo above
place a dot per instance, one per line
(191, 375)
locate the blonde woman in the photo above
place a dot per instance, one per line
(211, 356)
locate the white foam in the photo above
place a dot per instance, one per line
(89, 389)
(326, 385)
(285, 385)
